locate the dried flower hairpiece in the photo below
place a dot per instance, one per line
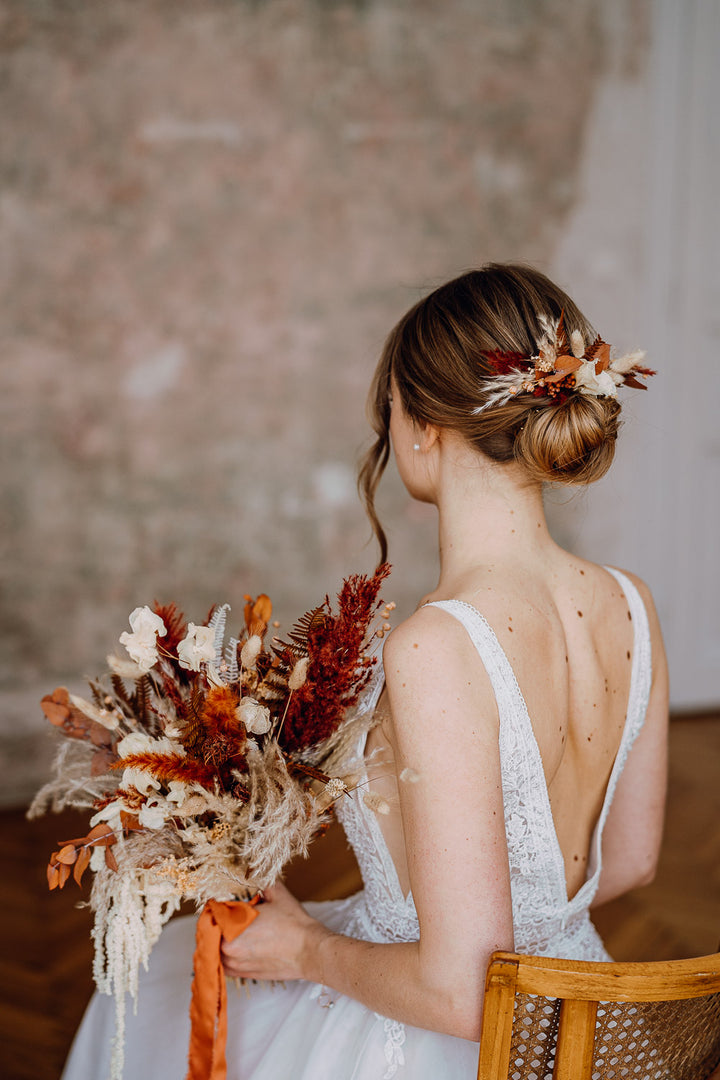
(560, 368)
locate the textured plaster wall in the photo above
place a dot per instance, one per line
(211, 213)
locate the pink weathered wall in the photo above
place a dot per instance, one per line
(211, 214)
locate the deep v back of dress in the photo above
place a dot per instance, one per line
(545, 920)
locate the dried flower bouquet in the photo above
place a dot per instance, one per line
(207, 765)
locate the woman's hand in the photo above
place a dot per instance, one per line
(277, 943)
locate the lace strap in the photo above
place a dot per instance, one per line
(638, 696)
(641, 671)
(508, 694)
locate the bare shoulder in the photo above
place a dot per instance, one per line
(429, 635)
(435, 677)
(647, 598)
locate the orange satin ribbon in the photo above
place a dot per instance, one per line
(208, 1007)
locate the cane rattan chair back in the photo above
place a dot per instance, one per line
(547, 1019)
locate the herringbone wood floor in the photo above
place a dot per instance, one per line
(45, 952)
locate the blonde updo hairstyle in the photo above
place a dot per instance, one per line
(439, 355)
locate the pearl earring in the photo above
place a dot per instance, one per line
(416, 446)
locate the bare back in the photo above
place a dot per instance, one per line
(568, 635)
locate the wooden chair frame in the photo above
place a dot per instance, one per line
(581, 986)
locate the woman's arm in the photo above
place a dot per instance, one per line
(444, 728)
(633, 831)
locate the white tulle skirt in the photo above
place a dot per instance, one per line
(273, 1033)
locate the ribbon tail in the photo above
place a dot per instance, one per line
(208, 1005)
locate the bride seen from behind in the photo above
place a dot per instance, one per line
(518, 746)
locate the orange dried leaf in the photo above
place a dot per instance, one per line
(57, 714)
(602, 357)
(257, 614)
(103, 829)
(64, 874)
(630, 380)
(131, 822)
(83, 861)
(110, 860)
(262, 608)
(53, 876)
(566, 364)
(67, 855)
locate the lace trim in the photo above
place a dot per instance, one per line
(393, 1050)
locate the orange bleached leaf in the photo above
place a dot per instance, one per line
(131, 822)
(64, 874)
(67, 855)
(56, 711)
(602, 357)
(262, 608)
(83, 861)
(103, 829)
(567, 364)
(257, 614)
(110, 860)
(630, 380)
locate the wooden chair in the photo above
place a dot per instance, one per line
(547, 1019)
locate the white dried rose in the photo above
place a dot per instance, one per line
(250, 651)
(143, 781)
(254, 716)
(139, 743)
(178, 791)
(586, 380)
(141, 644)
(126, 669)
(110, 814)
(152, 815)
(197, 647)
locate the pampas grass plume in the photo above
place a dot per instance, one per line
(250, 651)
(298, 674)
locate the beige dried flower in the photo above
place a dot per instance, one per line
(250, 651)
(298, 674)
(577, 344)
(329, 794)
(254, 716)
(376, 803)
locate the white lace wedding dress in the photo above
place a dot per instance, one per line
(294, 1031)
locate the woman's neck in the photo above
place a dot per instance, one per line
(490, 515)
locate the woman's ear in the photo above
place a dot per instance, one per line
(426, 435)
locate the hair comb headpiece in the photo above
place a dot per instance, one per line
(560, 368)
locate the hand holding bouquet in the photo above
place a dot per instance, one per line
(207, 765)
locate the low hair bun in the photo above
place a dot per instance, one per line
(572, 442)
